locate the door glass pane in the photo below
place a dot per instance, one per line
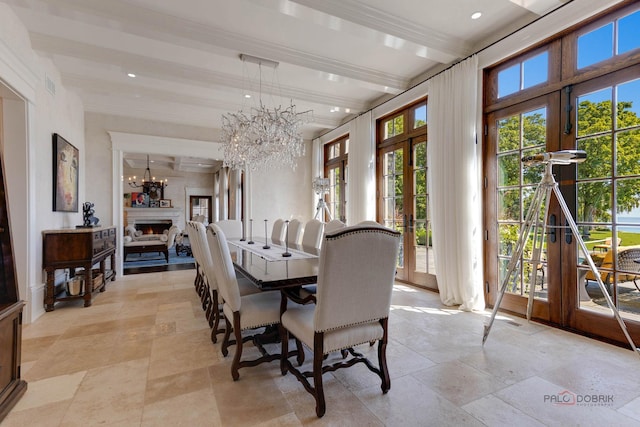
(509, 205)
(594, 113)
(628, 154)
(594, 202)
(595, 46)
(628, 104)
(599, 154)
(519, 135)
(393, 214)
(422, 251)
(335, 197)
(509, 169)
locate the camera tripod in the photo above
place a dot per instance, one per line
(537, 224)
(320, 207)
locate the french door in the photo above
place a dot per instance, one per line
(403, 206)
(606, 124)
(603, 195)
(512, 133)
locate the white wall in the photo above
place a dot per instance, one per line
(30, 120)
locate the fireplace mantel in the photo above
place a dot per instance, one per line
(142, 215)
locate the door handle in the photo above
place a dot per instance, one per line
(404, 225)
(552, 228)
(568, 235)
(411, 222)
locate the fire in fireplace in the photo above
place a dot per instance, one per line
(153, 227)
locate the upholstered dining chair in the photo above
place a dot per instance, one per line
(312, 235)
(201, 282)
(210, 293)
(277, 232)
(355, 278)
(333, 225)
(294, 234)
(232, 228)
(241, 312)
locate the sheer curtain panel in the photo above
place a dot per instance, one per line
(361, 178)
(454, 191)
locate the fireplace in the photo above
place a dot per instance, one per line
(143, 217)
(150, 226)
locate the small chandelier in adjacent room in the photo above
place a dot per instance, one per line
(149, 185)
(264, 136)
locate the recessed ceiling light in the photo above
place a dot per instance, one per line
(132, 75)
(247, 96)
(476, 15)
(347, 110)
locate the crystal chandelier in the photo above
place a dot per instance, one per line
(321, 185)
(263, 136)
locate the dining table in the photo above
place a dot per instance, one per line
(273, 266)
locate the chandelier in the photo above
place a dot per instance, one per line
(149, 185)
(321, 185)
(263, 136)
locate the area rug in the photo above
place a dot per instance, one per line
(155, 259)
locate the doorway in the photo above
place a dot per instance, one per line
(200, 206)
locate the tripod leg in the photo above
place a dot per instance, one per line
(592, 267)
(534, 209)
(538, 244)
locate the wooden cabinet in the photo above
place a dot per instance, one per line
(11, 385)
(77, 248)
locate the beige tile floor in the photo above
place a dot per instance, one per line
(141, 356)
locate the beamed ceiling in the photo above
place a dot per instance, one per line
(337, 58)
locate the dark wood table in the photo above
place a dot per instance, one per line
(276, 272)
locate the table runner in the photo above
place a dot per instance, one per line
(274, 253)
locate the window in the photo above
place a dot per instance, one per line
(394, 127)
(523, 75)
(335, 169)
(616, 37)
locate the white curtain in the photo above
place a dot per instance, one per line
(361, 176)
(454, 192)
(317, 166)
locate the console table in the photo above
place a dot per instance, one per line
(73, 248)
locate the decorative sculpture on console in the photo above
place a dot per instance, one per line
(87, 215)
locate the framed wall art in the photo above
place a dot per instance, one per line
(66, 161)
(165, 203)
(139, 200)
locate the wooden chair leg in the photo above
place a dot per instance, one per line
(318, 349)
(300, 349)
(284, 338)
(235, 366)
(225, 340)
(382, 358)
(216, 316)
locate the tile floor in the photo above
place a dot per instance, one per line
(142, 356)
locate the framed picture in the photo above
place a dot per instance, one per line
(154, 204)
(165, 203)
(139, 200)
(66, 161)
